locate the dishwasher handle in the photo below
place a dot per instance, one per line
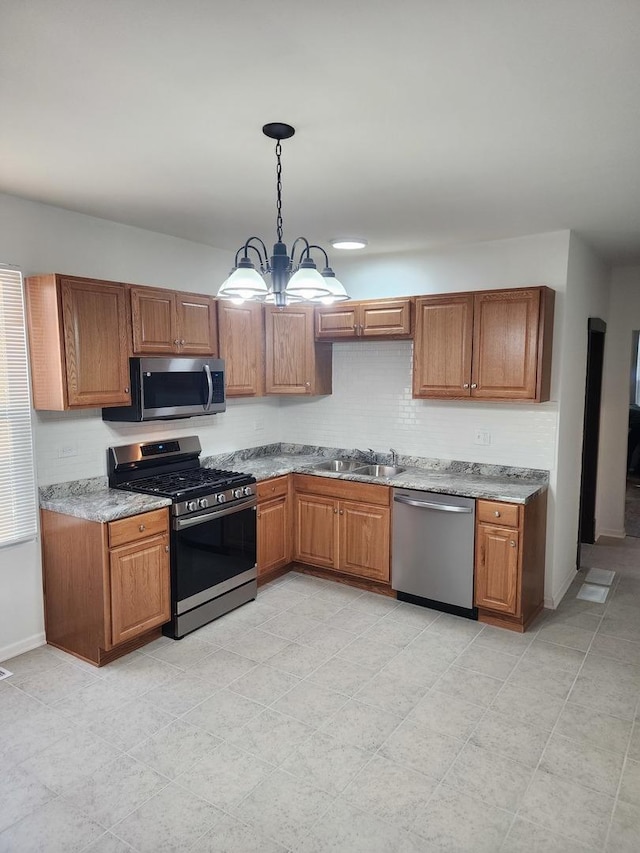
(402, 499)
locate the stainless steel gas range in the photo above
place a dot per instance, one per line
(213, 526)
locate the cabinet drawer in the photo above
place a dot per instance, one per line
(275, 488)
(494, 512)
(138, 527)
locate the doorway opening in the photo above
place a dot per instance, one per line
(632, 493)
(591, 432)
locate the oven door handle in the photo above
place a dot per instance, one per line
(183, 523)
(207, 373)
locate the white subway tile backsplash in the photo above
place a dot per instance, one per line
(371, 406)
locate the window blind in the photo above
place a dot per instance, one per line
(17, 479)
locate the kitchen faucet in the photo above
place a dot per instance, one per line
(394, 456)
(369, 455)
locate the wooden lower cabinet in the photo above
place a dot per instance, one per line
(342, 525)
(106, 586)
(510, 562)
(274, 525)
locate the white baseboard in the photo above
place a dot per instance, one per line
(611, 534)
(557, 597)
(22, 646)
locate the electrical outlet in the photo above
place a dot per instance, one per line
(67, 450)
(258, 426)
(483, 436)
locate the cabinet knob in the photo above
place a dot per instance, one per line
(466, 385)
(307, 385)
(182, 342)
(497, 514)
(474, 384)
(512, 543)
(259, 515)
(335, 512)
(166, 548)
(273, 488)
(126, 390)
(176, 343)
(341, 512)
(141, 528)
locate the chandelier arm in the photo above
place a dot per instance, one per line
(304, 251)
(315, 246)
(249, 245)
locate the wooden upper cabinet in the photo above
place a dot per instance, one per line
(241, 334)
(171, 322)
(79, 342)
(442, 346)
(295, 363)
(382, 318)
(490, 345)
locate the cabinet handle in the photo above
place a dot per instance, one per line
(141, 527)
(512, 543)
(474, 384)
(497, 514)
(466, 385)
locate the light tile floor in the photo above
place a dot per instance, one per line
(324, 718)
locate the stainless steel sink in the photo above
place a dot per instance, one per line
(379, 470)
(340, 466)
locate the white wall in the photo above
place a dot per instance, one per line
(587, 295)
(371, 404)
(624, 318)
(40, 238)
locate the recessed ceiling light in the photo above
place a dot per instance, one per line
(351, 243)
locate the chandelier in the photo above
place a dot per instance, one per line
(291, 280)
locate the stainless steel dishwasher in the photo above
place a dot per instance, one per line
(432, 555)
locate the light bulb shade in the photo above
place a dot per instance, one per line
(337, 293)
(245, 282)
(307, 283)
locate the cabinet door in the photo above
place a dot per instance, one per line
(315, 530)
(196, 323)
(274, 534)
(140, 592)
(153, 319)
(334, 322)
(241, 333)
(505, 344)
(496, 576)
(364, 540)
(96, 343)
(386, 318)
(442, 347)
(295, 363)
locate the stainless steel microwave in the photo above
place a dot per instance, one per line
(164, 388)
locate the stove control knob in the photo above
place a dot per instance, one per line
(247, 491)
(220, 499)
(192, 506)
(203, 503)
(237, 493)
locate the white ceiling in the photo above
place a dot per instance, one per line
(420, 123)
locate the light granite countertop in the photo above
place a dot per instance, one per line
(93, 500)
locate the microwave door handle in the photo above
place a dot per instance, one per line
(207, 373)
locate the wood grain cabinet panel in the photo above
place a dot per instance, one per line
(168, 322)
(274, 525)
(489, 345)
(351, 536)
(510, 561)
(79, 342)
(139, 583)
(241, 335)
(372, 318)
(100, 601)
(295, 363)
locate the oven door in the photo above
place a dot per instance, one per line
(212, 553)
